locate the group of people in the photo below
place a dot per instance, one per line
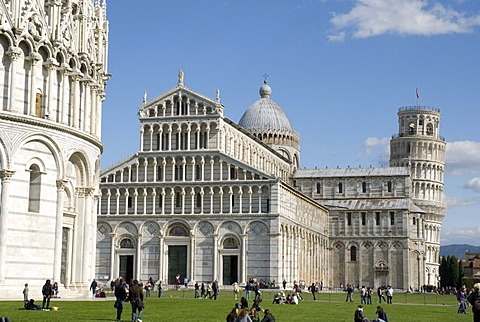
(252, 315)
(132, 293)
(360, 317)
(49, 291)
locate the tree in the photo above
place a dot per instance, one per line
(455, 274)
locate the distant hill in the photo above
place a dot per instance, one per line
(458, 250)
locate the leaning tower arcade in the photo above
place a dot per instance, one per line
(419, 146)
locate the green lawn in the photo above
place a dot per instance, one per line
(181, 306)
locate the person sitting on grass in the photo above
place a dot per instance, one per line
(232, 316)
(254, 315)
(382, 316)
(268, 317)
(358, 317)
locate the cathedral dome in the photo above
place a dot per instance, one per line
(265, 116)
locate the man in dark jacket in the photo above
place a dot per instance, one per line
(136, 300)
(47, 293)
(474, 299)
(121, 295)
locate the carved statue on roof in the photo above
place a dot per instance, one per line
(180, 77)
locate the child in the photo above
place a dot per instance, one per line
(25, 293)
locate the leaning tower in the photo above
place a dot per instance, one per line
(420, 147)
(53, 72)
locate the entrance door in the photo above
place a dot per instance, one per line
(230, 270)
(126, 267)
(177, 263)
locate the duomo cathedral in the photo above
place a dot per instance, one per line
(204, 197)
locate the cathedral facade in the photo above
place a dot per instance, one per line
(53, 74)
(208, 198)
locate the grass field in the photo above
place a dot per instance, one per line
(181, 306)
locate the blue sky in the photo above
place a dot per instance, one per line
(339, 68)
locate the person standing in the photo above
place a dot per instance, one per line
(136, 300)
(474, 300)
(215, 289)
(93, 288)
(160, 290)
(25, 293)
(203, 293)
(313, 288)
(462, 304)
(284, 283)
(197, 290)
(389, 294)
(120, 295)
(47, 293)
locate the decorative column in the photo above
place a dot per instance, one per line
(87, 257)
(34, 59)
(139, 255)
(151, 138)
(15, 53)
(161, 255)
(117, 202)
(192, 255)
(109, 195)
(145, 170)
(51, 67)
(211, 200)
(57, 257)
(144, 201)
(215, 256)
(112, 255)
(142, 131)
(154, 201)
(135, 201)
(243, 277)
(5, 176)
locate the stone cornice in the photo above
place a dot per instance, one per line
(25, 119)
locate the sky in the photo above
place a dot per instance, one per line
(340, 69)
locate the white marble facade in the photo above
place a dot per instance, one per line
(52, 78)
(211, 199)
(207, 200)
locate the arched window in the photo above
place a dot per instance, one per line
(230, 243)
(429, 129)
(126, 243)
(178, 230)
(353, 254)
(34, 188)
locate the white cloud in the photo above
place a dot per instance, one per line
(370, 18)
(473, 184)
(458, 202)
(462, 157)
(377, 150)
(460, 235)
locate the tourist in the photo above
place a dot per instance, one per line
(47, 294)
(363, 295)
(136, 300)
(349, 293)
(25, 293)
(209, 291)
(295, 299)
(268, 317)
(389, 293)
(197, 290)
(147, 289)
(185, 282)
(243, 303)
(232, 316)
(313, 288)
(380, 294)
(284, 283)
(235, 290)
(214, 290)
(369, 296)
(248, 289)
(358, 316)
(254, 315)
(462, 301)
(243, 316)
(160, 290)
(474, 300)
(93, 288)
(120, 295)
(381, 315)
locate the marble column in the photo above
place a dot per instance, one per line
(57, 257)
(5, 175)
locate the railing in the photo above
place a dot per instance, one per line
(418, 108)
(402, 135)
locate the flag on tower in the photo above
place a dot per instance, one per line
(416, 92)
